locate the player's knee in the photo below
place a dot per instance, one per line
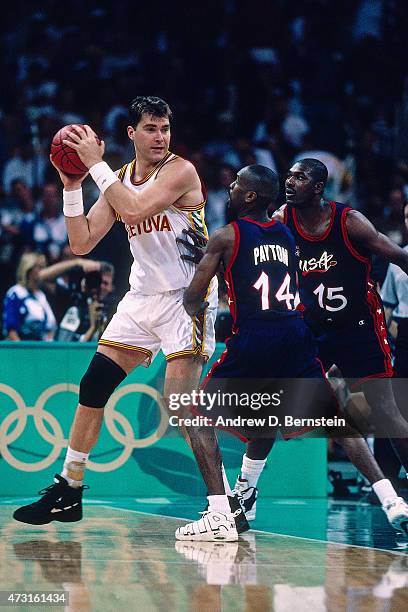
(99, 381)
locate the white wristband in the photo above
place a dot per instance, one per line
(103, 176)
(73, 203)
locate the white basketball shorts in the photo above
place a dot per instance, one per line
(148, 323)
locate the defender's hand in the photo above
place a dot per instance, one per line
(196, 248)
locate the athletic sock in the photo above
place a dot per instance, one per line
(225, 480)
(252, 469)
(74, 467)
(384, 490)
(218, 503)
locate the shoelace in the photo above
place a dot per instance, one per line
(47, 489)
(56, 484)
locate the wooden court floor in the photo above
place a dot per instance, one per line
(305, 555)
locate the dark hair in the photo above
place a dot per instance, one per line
(317, 169)
(264, 181)
(149, 105)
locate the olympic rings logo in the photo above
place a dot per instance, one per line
(56, 436)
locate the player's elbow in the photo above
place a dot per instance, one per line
(132, 218)
(79, 248)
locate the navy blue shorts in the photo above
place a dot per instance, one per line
(361, 350)
(278, 359)
(282, 348)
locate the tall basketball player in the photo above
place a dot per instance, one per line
(270, 340)
(156, 196)
(342, 308)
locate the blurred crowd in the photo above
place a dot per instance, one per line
(265, 82)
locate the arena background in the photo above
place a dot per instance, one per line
(261, 81)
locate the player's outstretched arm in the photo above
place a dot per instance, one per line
(218, 249)
(174, 180)
(363, 234)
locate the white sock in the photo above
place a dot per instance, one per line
(384, 490)
(218, 503)
(226, 483)
(69, 465)
(252, 469)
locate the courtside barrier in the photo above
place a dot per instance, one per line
(137, 454)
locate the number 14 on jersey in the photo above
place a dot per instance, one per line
(283, 294)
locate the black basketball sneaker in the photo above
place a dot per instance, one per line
(59, 502)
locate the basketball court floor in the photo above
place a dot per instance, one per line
(302, 555)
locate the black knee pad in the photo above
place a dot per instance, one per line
(99, 381)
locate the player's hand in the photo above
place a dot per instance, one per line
(87, 144)
(196, 248)
(71, 183)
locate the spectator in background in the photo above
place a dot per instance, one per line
(25, 164)
(246, 153)
(57, 280)
(47, 233)
(394, 294)
(107, 293)
(217, 198)
(89, 292)
(220, 146)
(27, 314)
(18, 210)
(391, 222)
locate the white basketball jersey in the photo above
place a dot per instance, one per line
(157, 265)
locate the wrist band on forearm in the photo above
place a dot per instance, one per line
(73, 203)
(103, 176)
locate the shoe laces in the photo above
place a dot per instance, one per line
(391, 502)
(57, 484)
(48, 489)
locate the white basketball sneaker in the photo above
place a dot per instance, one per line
(396, 510)
(247, 497)
(212, 527)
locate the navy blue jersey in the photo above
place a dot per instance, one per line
(261, 276)
(334, 279)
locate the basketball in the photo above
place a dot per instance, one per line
(63, 156)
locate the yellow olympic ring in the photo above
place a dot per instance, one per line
(57, 439)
